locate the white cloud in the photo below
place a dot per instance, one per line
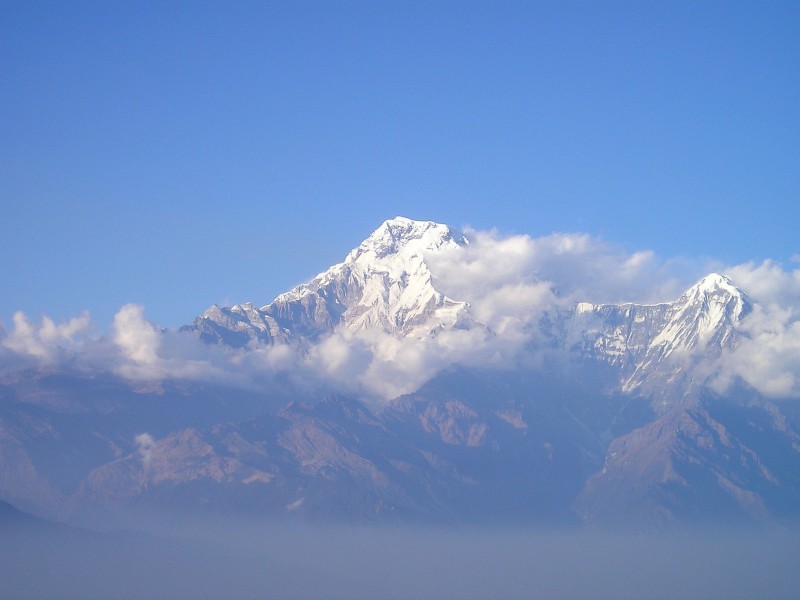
(136, 337)
(575, 266)
(768, 283)
(137, 350)
(382, 366)
(146, 353)
(768, 357)
(47, 341)
(342, 357)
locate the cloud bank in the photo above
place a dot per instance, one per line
(768, 356)
(510, 282)
(47, 342)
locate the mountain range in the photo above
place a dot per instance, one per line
(609, 414)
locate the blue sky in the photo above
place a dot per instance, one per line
(184, 153)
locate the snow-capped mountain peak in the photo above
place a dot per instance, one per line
(396, 249)
(384, 283)
(405, 237)
(713, 284)
(707, 313)
(654, 345)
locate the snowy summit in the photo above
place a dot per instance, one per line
(385, 282)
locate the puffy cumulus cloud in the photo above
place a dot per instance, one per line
(145, 353)
(510, 308)
(343, 356)
(563, 268)
(768, 355)
(136, 337)
(584, 268)
(379, 365)
(48, 342)
(496, 276)
(769, 359)
(768, 283)
(136, 350)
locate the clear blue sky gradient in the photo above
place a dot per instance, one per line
(176, 154)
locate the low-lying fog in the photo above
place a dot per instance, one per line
(207, 558)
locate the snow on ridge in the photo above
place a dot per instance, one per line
(654, 343)
(396, 248)
(404, 237)
(713, 282)
(385, 282)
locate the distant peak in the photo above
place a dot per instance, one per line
(405, 228)
(714, 281)
(395, 234)
(402, 222)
